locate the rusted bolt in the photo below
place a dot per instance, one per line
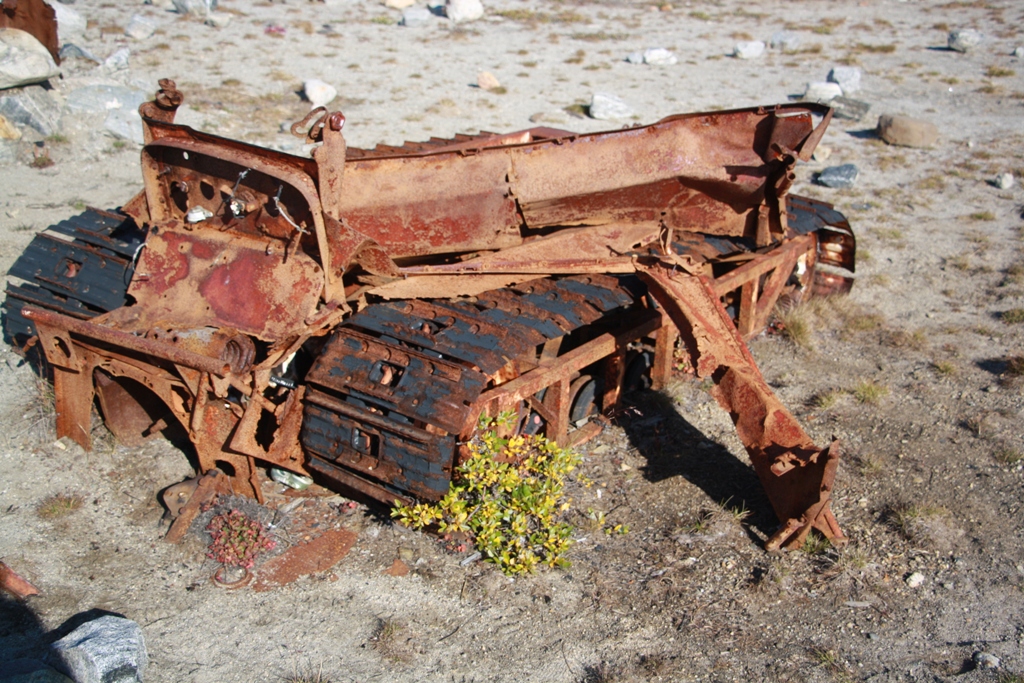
(337, 121)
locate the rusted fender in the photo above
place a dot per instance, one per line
(797, 475)
(34, 17)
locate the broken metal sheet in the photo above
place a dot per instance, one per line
(13, 583)
(308, 557)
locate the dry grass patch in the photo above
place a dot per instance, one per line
(869, 392)
(1014, 316)
(999, 72)
(58, 505)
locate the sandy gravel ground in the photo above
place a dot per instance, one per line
(914, 371)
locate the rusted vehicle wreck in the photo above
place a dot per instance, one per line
(351, 316)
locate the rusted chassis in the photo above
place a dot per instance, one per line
(222, 301)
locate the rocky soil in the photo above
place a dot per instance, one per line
(918, 371)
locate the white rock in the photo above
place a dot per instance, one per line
(635, 57)
(748, 49)
(23, 59)
(399, 4)
(108, 650)
(659, 56)
(140, 27)
(847, 77)
(416, 16)
(822, 92)
(1004, 181)
(915, 580)
(197, 8)
(485, 80)
(218, 19)
(118, 61)
(821, 153)
(318, 93)
(1018, 52)
(70, 24)
(963, 39)
(461, 11)
(608, 107)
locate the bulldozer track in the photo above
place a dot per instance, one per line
(80, 267)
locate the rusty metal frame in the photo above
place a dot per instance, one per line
(531, 210)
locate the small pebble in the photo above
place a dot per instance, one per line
(659, 56)
(416, 16)
(139, 27)
(748, 49)
(873, 636)
(1018, 52)
(915, 580)
(485, 80)
(984, 660)
(1004, 181)
(850, 109)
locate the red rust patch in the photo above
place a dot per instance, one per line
(397, 568)
(317, 555)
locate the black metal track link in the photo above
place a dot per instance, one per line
(406, 372)
(80, 267)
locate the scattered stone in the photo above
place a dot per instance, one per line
(1004, 181)
(8, 152)
(635, 57)
(196, 8)
(785, 40)
(1017, 52)
(873, 636)
(963, 39)
(32, 107)
(984, 660)
(659, 56)
(461, 11)
(118, 61)
(839, 177)
(399, 4)
(106, 650)
(72, 51)
(608, 107)
(398, 568)
(415, 16)
(557, 117)
(30, 671)
(70, 24)
(821, 153)
(8, 131)
(218, 19)
(139, 27)
(23, 59)
(848, 78)
(915, 580)
(906, 131)
(820, 91)
(485, 80)
(748, 49)
(318, 93)
(850, 109)
(126, 124)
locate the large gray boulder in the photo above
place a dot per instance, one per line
(70, 24)
(23, 59)
(30, 671)
(31, 107)
(106, 650)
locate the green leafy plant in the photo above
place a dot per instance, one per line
(237, 539)
(507, 499)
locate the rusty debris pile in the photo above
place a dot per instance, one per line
(351, 316)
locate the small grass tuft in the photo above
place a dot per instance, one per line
(1013, 316)
(982, 216)
(909, 518)
(824, 400)
(999, 72)
(385, 639)
(1006, 455)
(58, 505)
(308, 675)
(815, 544)
(870, 392)
(944, 368)
(42, 161)
(1015, 366)
(797, 326)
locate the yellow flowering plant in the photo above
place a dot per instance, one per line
(507, 498)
